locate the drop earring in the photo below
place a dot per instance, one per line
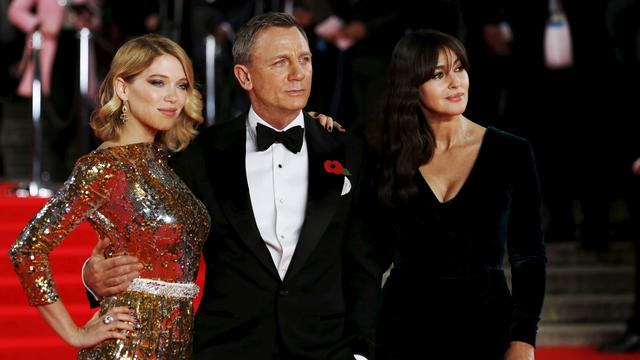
(123, 113)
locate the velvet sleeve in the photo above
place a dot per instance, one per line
(526, 246)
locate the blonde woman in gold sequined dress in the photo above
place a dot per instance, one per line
(133, 200)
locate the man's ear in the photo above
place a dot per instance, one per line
(242, 74)
(121, 88)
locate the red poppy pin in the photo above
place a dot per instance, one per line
(335, 167)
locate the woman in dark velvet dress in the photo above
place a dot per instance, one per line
(455, 198)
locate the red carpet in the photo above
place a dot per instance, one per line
(579, 353)
(23, 333)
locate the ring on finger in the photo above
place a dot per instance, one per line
(108, 319)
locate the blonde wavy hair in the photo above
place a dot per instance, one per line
(132, 58)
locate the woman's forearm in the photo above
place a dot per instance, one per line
(57, 316)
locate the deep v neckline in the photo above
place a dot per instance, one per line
(466, 181)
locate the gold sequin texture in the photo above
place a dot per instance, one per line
(130, 196)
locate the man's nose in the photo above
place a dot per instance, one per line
(297, 71)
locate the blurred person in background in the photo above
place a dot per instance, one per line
(11, 42)
(624, 28)
(59, 23)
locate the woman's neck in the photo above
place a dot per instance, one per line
(135, 132)
(450, 132)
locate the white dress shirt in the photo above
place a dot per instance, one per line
(278, 182)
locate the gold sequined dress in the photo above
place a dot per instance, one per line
(130, 195)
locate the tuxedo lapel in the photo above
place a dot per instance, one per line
(323, 192)
(228, 176)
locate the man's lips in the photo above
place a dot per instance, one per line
(296, 92)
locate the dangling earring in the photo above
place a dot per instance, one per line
(123, 113)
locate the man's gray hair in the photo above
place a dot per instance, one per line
(246, 36)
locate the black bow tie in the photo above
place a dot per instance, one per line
(291, 138)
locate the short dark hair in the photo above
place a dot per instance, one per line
(247, 34)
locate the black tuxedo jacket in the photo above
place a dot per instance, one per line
(325, 306)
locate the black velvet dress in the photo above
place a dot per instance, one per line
(447, 296)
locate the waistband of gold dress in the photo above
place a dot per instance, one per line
(163, 288)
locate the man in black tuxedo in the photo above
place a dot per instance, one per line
(290, 274)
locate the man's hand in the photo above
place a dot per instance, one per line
(355, 31)
(519, 350)
(46, 29)
(107, 277)
(498, 38)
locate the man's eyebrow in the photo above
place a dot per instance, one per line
(286, 54)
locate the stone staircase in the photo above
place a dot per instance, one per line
(589, 296)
